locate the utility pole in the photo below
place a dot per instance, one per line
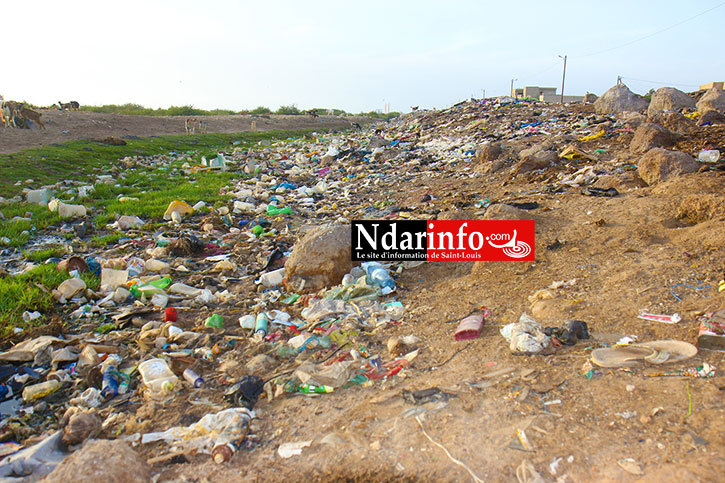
(483, 93)
(512, 88)
(563, 76)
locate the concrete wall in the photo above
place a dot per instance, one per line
(557, 98)
(546, 94)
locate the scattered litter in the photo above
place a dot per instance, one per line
(288, 450)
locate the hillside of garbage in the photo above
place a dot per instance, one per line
(239, 340)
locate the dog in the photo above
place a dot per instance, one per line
(203, 126)
(74, 106)
(32, 115)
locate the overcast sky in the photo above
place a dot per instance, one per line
(354, 56)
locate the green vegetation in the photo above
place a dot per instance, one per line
(24, 292)
(139, 110)
(155, 188)
(81, 160)
(102, 241)
(289, 110)
(380, 115)
(260, 110)
(44, 254)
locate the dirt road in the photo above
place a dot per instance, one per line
(69, 125)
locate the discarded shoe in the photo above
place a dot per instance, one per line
(655, 352)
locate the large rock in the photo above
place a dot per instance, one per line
(712, 117)
(320, 259)
(488, 152)
(500, 211)
(538, 160)
(102, 460)
(619, 99)
(713, 100)
(669, 99)
(648, 136)
(660, 164)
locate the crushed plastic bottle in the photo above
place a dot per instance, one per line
(157, 376)
(37, 391)
(708, 156)
(378, 275)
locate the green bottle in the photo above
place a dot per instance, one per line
(310, 389)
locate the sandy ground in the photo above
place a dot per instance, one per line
(69, 125)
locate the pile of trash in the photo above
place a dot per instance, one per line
(224, 305)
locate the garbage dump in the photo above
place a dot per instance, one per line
(242, 330)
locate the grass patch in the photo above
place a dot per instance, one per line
(21, 293)
(44, 254)
(20, 231)
(82, 159)
(102, 241)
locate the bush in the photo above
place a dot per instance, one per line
(261, 110)
(139, 110)
(289, 110)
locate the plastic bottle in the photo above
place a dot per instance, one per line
(378, 275)
(109, 386)
(110, 382)
(260, 325)
(37, 391)
(709, 156)
(157, 376)
(310, 389)
(162, 283)
(192, 377)
(223, 453)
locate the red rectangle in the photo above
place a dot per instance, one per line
(472, 240)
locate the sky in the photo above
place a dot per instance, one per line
(356, 56)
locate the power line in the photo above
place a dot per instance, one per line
(652, 34)
(661, 83)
